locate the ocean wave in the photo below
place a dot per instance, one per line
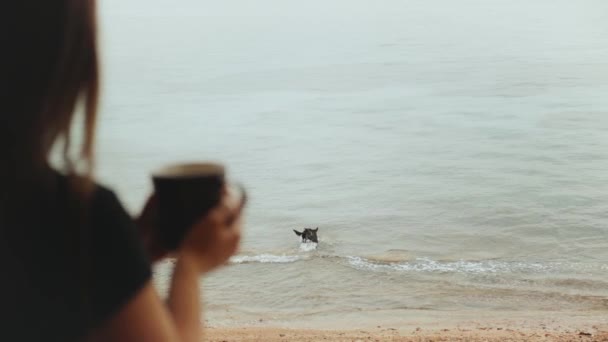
(265, 259)
(462, 266)
(416, 265)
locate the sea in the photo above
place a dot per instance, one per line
(452, 153)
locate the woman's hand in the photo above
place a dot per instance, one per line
(215, 238)
(147, 232)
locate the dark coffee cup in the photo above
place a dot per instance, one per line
(185, 193)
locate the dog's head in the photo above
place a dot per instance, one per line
(308, 234)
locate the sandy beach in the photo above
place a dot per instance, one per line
(393, 334)
(589, 328)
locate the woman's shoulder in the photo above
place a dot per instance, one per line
(116, 265)
(92, 206)
(80, 189)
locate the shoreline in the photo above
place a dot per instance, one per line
(486, 333)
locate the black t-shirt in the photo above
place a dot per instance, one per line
(66, 267)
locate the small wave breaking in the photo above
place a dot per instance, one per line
(461, 266)
(265, 259)
(420, 265)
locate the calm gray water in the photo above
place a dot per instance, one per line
(454, 154)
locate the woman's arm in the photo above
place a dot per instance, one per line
(184, 301)
(143, 318)
(147, 318)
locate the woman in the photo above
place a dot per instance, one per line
(73, 265)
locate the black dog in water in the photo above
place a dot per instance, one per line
(308, 235)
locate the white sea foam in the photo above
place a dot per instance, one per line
(308, 246)
(416, 265)
(264, 259)
(462, 266)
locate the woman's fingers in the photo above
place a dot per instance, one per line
(226, 212)
(216, 237)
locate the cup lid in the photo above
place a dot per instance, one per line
(187, 170)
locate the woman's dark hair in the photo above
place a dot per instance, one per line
(48, 68)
